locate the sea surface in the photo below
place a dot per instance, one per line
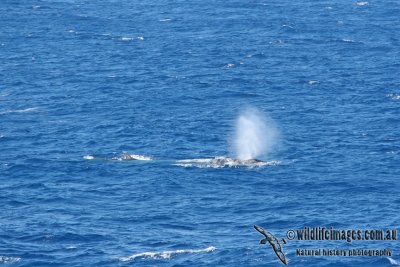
(84, 82)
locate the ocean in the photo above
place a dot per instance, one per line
(195, 90)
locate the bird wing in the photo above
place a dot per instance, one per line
(260, 230)
(277, 247)
(274, 242)
(270, 237)
(282, 257)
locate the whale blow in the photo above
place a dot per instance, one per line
(255, 135)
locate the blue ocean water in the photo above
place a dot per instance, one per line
(167, 79)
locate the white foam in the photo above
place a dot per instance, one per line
(127, 156)
(393, 261)
(128, 39)
(313, 82)
(88, 157)
(278, 41)
(394, 96)
(165, 254)
(361, 3)
(164, 20)
(287, 26)
(5, 259)
(19, 110)
(223, 162)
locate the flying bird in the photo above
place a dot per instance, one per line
(274, 242)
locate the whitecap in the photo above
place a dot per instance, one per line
(287, 26)
(19, 110)
(279, 41)
(394, 96)
(88, 157)
(141, 38)
(393, 261)
(361, 3)
(230, 65)
(165, 254)
(164, 20)
(5, 259)
(347, 40)
(313, 82)
(126, 38)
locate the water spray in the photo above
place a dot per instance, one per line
(255, 135)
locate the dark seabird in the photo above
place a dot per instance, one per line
(274, 242)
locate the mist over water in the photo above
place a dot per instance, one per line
(255, 135)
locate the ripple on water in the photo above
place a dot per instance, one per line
(7, 259)
(165, 254)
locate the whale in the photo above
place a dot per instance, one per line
(222, 162)
(127, 156)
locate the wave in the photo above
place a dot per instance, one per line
(127, 39)
(394, 96)
(393, 261)
(19, 110)
(230, 66)
(165, 254)
(124, 156)
(346, 40)
(5, 259)
(222, 162)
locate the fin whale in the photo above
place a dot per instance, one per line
(221, 162)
